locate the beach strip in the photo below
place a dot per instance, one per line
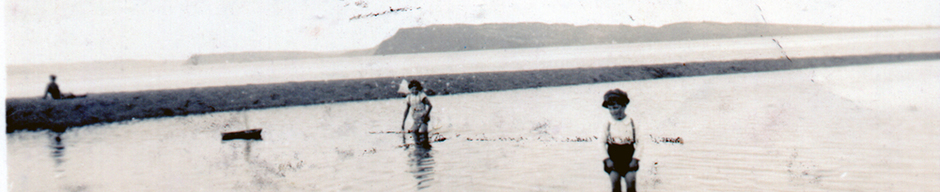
(364, 83)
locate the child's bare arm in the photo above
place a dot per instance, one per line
(403, 119)
(428, 103)
(605, 136)
(408, 108)
(47, 93)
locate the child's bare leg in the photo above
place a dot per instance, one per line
(608, 165)
(630, 179)
(615, 181)
(415, 127)
(421, 134)
(424, 123)
(423, 128)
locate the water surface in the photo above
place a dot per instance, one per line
(852, 128)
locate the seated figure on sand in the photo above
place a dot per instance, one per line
(53, 90)
(420, 108)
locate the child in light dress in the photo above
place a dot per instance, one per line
(420, 109)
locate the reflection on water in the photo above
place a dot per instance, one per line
(58, 149)
(422, 163)
(58, 156)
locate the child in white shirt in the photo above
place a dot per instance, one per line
(620, 141)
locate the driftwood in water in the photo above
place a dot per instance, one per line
(433, 140)
(251, 134)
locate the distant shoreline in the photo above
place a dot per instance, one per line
(58, 115)
(470, 37)
(473, 37)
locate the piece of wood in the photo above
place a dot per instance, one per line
(250, 134)
(434, 140)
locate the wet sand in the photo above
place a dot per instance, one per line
(852, 128)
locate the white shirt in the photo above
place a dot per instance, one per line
(419, 108)
(623, 132)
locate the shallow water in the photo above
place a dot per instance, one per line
(860, 128)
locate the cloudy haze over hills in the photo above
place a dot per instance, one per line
(68, 32)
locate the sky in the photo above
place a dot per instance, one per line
(67, 31)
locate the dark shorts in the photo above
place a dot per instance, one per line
(621, 158)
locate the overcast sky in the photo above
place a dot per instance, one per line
(56, 31)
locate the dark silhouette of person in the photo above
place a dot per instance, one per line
(53, 90)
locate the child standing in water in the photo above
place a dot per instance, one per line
(420, 109)
(621, 142)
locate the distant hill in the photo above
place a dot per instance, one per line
(463, 37)
(447, 38)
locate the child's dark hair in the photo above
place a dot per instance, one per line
(615, 96)
(415, 84)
